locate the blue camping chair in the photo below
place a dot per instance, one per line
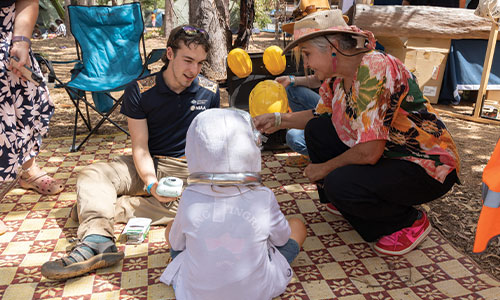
(108, 42)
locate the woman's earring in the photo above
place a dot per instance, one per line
(334, 54)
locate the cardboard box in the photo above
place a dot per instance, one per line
(426, 58)
(493, 95)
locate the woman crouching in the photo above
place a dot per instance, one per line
(376, 145)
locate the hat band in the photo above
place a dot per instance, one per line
(298, 13)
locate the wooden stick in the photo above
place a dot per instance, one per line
(467, 117)
(488, 60)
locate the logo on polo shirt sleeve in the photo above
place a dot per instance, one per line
(207, 84)
(146, 83)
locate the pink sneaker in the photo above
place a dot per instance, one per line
(332, 209)
(406, 239)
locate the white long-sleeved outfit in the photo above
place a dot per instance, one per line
(228, 234)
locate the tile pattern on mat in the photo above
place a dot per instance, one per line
(335, 263)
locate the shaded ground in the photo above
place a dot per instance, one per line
(454, 215)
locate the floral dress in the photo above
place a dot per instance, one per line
(25, 110)
(386, 103)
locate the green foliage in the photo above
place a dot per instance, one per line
(59, 8)
(152, 4)
(145, 4)
(234, 14)
(262, 10)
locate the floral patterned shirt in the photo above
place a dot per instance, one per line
(385, 103)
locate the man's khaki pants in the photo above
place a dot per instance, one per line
(114, 192)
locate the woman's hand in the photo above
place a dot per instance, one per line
(283, 80)
(21, 51)
(265, 123)
(161, 198)
(316, 172)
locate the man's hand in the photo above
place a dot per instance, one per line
(283, 80)
(316, 172)
(160, 198)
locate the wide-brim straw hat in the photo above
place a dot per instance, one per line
(322, 23)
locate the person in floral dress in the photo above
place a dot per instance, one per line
(25, 109)
(376, 145)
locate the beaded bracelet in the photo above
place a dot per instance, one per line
(20, 38)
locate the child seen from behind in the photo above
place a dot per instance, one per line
(229, 239)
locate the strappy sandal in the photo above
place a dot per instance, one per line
(297, 161)
(3, 228)
(86, 261)
(41, 182)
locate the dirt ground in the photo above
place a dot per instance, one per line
(455, 215)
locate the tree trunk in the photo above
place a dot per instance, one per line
(280, 18)
(168, 18)
(59, 8)
(86, 2)
(66, 20)
(422, 22)
(212, 16)
(247, 16)
(224, 18)
(277, 17)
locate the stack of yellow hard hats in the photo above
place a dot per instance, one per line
(268, 96)
(239, 62)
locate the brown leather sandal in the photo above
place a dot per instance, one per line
(83, 261)
(41, 182)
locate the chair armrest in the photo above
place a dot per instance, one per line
(155, 56)
(52, 77)
(60, 62)
(152, 57)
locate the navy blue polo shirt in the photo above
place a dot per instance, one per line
(168, 114)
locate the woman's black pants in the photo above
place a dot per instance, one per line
(378, 199)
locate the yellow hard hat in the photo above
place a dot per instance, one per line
(273, 60)
(239, 62)
(267, 96)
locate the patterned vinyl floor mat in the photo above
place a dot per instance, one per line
(335, 263)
